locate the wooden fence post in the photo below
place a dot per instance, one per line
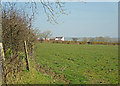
(2, 51)
(2, 58)
(26, 55)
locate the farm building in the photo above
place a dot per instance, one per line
(59, 38)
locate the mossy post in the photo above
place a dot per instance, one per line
(1, 63)
(26, 55)
(2, 51)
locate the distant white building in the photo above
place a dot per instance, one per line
(59, 38)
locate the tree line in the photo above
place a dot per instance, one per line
(96, 39)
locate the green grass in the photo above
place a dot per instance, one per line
(81, 64)
(32, 76)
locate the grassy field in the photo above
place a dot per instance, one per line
(75, 64)
(79, 64)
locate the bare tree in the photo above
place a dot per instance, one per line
(99, 39)
(37, 32)
(91, 39)
(46, 34)
(107, 39)
(85, 39)
(75, 39)
(52, 9)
